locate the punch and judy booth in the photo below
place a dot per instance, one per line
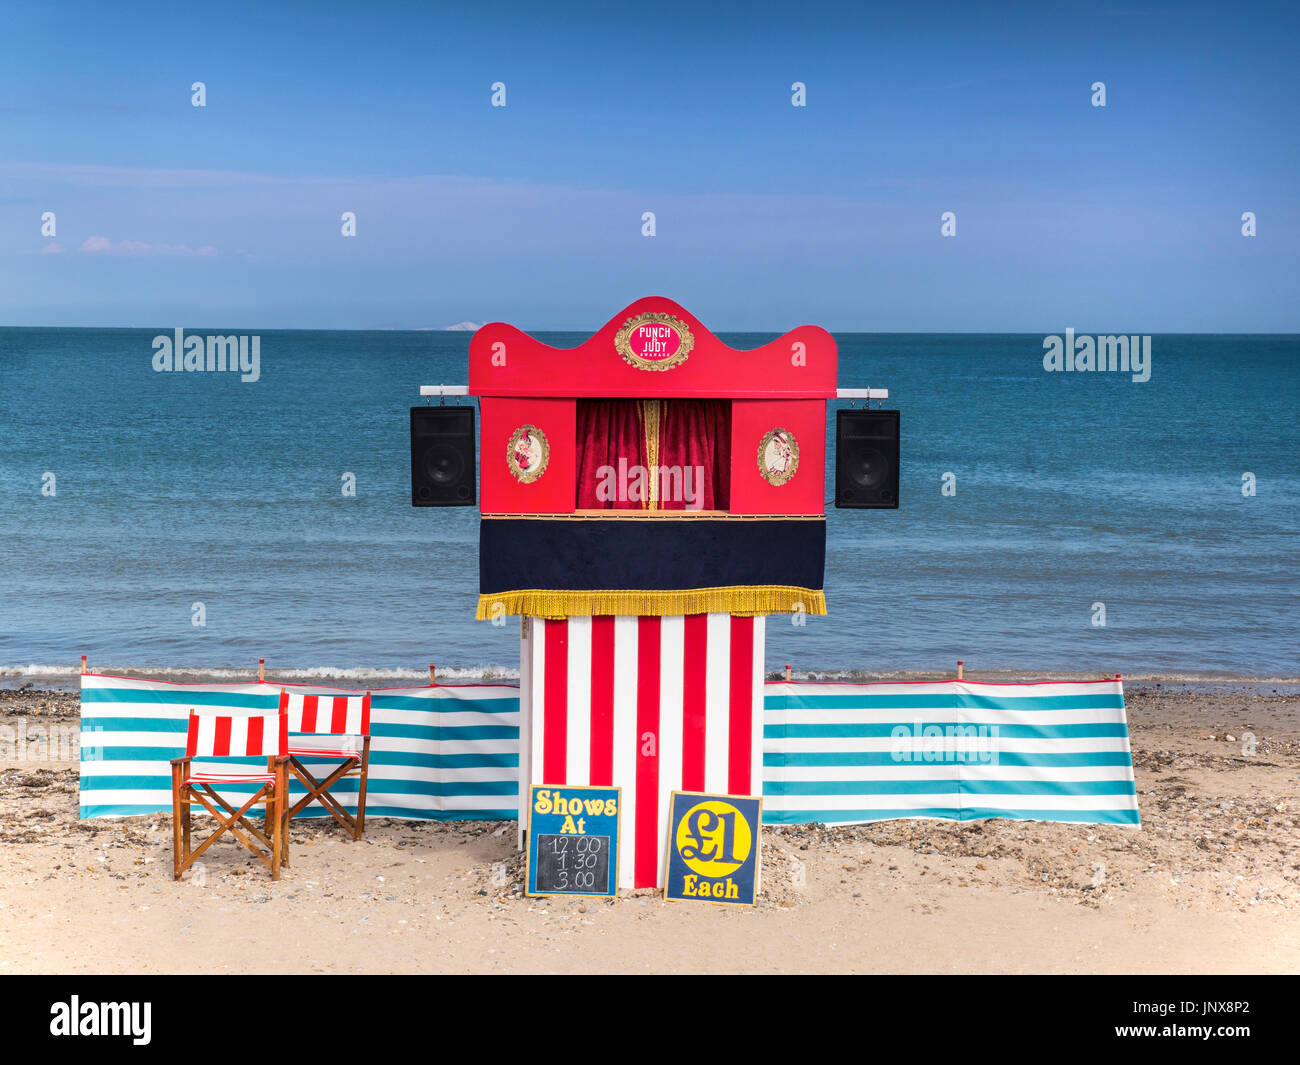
(648, 498)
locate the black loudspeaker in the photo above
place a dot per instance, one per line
(866, 459)
(442, 457)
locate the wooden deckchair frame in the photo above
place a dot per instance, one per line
(274, 796)
(318, 790)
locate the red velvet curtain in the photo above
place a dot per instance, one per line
(608, 429)
(694, 444)
(695, 436)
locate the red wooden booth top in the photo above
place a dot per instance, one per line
(653, 349)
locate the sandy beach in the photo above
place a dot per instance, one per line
(1209, 884)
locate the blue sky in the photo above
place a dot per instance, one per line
(1117, 219)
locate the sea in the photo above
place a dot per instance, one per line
(1051, 523)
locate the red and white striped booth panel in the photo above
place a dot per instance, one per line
(235, 736)
(651, 705)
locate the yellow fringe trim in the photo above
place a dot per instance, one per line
(744, 600)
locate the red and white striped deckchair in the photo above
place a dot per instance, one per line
(314, 716)
(214, 736)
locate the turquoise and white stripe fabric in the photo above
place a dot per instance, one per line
(445, 753)
(849, 753)
(833, 753)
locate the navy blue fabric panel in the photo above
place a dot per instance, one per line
(650, 554)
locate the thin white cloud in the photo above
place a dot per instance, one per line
(95, 245)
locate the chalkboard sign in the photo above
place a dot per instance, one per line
(572, 863)
(573, 841)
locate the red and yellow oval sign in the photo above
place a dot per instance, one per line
(654, 341)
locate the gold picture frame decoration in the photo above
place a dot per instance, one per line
(528, 453)
(778, 456)
(623, 341)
